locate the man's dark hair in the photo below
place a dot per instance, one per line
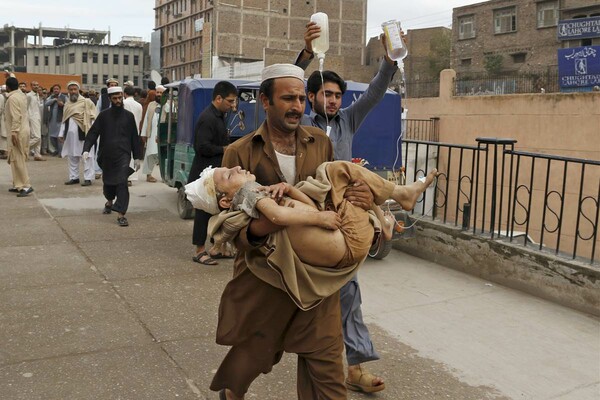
(314, 81)
(151, 85)
(267, 88)
(224, 89)
(12, 83)
(164, 80)
(104, 90)
(55, 85)
(129, 91)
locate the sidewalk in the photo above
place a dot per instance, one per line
(90, 310)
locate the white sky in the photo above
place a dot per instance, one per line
(136, 17)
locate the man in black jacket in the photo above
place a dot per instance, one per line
(210, 140)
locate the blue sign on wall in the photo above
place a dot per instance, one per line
(579, 67)
(581, 28)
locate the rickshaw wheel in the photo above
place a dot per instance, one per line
(384, 248)
(184, 207)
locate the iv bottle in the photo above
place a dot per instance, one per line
(321, 44)
(396, 48)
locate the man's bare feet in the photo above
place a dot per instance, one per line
(229, 395)
(360, 380)
(407, 195)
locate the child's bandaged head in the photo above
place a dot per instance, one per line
(202, 192)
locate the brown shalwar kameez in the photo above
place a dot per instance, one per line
(259, 321)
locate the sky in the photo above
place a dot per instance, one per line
(136, 17)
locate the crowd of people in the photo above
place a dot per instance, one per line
(260, 315)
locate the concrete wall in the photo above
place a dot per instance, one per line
(558, 124)
(567, 282)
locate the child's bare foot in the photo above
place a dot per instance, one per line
(387, 229)
(408, 195)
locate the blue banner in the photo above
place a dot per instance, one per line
(581, 28)
(579, 67)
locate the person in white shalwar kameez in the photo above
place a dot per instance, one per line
(136, 109)
(149, 135)
(78, 116)
(35, 122)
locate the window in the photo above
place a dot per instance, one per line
(95, 58)
(466, 27)
(125, 78)
(547, 14)
(57, 60)
(95, 79)
(71, 58)
(136, 80)
(84, 57)
(505, 20)
(47, 61)
(465, 62)
(136, 60)
(125, 59)
(519, 58)
(115, 58)
(36, 60)
(104, 58)
(104, 78)
(84, 79)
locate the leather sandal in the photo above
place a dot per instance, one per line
(360, 380)
(207, 261)
(107, 208)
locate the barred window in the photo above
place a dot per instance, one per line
(547, 14)
(466, 27)
(505, 20)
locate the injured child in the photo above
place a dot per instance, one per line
(324, 229)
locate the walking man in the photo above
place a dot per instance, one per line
(17, 126)
(325, 96)
(131, 105)
(35, 121)
(149, 133)
(210, 141)
(3, 135)
(119, 139)
(78, 116)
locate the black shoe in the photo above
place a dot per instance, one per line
(87, 182)
(107, 208)
(13, 190)
(122, 221)
(25, 192)
(72, 182)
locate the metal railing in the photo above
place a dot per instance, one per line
(422, 129)
(548, 202)
(515, 83)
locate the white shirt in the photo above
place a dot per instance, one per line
(288, 167)
(136, 108)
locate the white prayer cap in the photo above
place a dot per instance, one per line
(74, 83)
(202, 192)
(282, 71)
(128, 83)
(160, 87)
(114, 89)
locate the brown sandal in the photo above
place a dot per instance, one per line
(208, 261)
(360, 380)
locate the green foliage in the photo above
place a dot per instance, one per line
(493, 64)
(439, 55)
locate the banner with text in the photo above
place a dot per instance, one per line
(579, 67)
(581, 28)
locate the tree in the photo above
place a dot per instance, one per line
(493, 64)
(439, 54)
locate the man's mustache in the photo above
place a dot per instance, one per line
(293, 114)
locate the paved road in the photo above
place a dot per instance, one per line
(89, 310)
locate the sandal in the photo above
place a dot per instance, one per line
(208, 261)
(107, 208)
(219, 256)
(360, 380)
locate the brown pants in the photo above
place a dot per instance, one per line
(17, 158)
(260, 322)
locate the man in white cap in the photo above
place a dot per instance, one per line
(35, 122)
(260, 321)
(79, 114)
(119, 139)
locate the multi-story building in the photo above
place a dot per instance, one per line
(515, 35)
(14, 42)
(94, 62)
(228, 39)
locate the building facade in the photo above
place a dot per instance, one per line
(94, 62)
(228, 39)
(514, 35)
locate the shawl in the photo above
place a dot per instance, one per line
(83, 112)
